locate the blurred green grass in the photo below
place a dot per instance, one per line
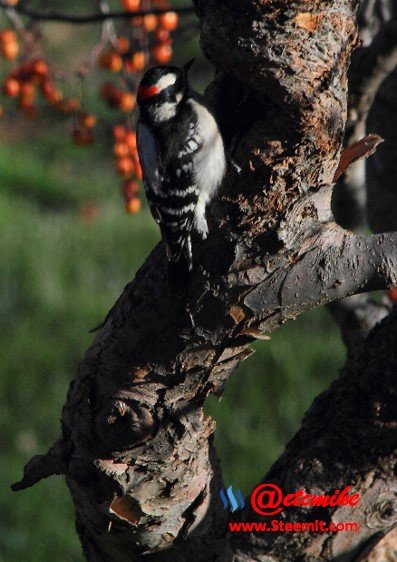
(61, 271)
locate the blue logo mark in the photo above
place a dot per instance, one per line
(232, 499)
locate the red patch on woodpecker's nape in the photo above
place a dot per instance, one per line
(145, 92)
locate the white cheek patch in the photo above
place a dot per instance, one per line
(166, 81)
(163, 111)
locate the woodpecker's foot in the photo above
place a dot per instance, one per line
(236, 167)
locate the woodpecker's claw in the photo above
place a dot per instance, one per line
(235, 165)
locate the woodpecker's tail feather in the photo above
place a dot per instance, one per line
(175, 236)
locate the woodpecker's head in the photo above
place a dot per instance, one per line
(161, 91)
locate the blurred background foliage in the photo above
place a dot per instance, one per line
(67, 249)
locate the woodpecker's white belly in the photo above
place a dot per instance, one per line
(209, 164)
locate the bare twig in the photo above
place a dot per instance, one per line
(91, 18)
(43, 466)
(368, 21)
(370, 67)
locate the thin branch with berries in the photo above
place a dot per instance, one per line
(139, 36)
(52, 16)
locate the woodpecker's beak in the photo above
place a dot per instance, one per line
(187, 66)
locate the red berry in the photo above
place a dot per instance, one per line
(138, 170)
(168, 21)
(11, 87)
(122, 44)
(120, 149)
(10, 50)
(163, 36)
(162, 53)
(119, 132)
(67, 106)
(127, 102)
(86, 120)
(149, 22)
(130, 140)
(129, 188)
(136, 62)
(40, 67)
(110, 61)
(125, 166)
(392, 294)
(131, 5)
(7, 36)
(133, 205)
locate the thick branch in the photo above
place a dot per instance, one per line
(168, 413)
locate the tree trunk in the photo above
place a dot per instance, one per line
(135, 447)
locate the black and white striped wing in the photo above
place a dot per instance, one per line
(151, 165)
(177, 199)
(171, 190)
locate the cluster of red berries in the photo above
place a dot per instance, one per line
(127, 165)
(24, 82)
(150, 43)
(131, 58)
(116, 98)
(9, 48)
(84, 124)
(144, 40)
(133, 55)
(160, 26)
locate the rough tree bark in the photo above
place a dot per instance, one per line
(136, 449)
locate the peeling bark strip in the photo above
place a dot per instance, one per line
(356, 151)
(136, 449)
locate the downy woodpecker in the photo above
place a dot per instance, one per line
(182, 157)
